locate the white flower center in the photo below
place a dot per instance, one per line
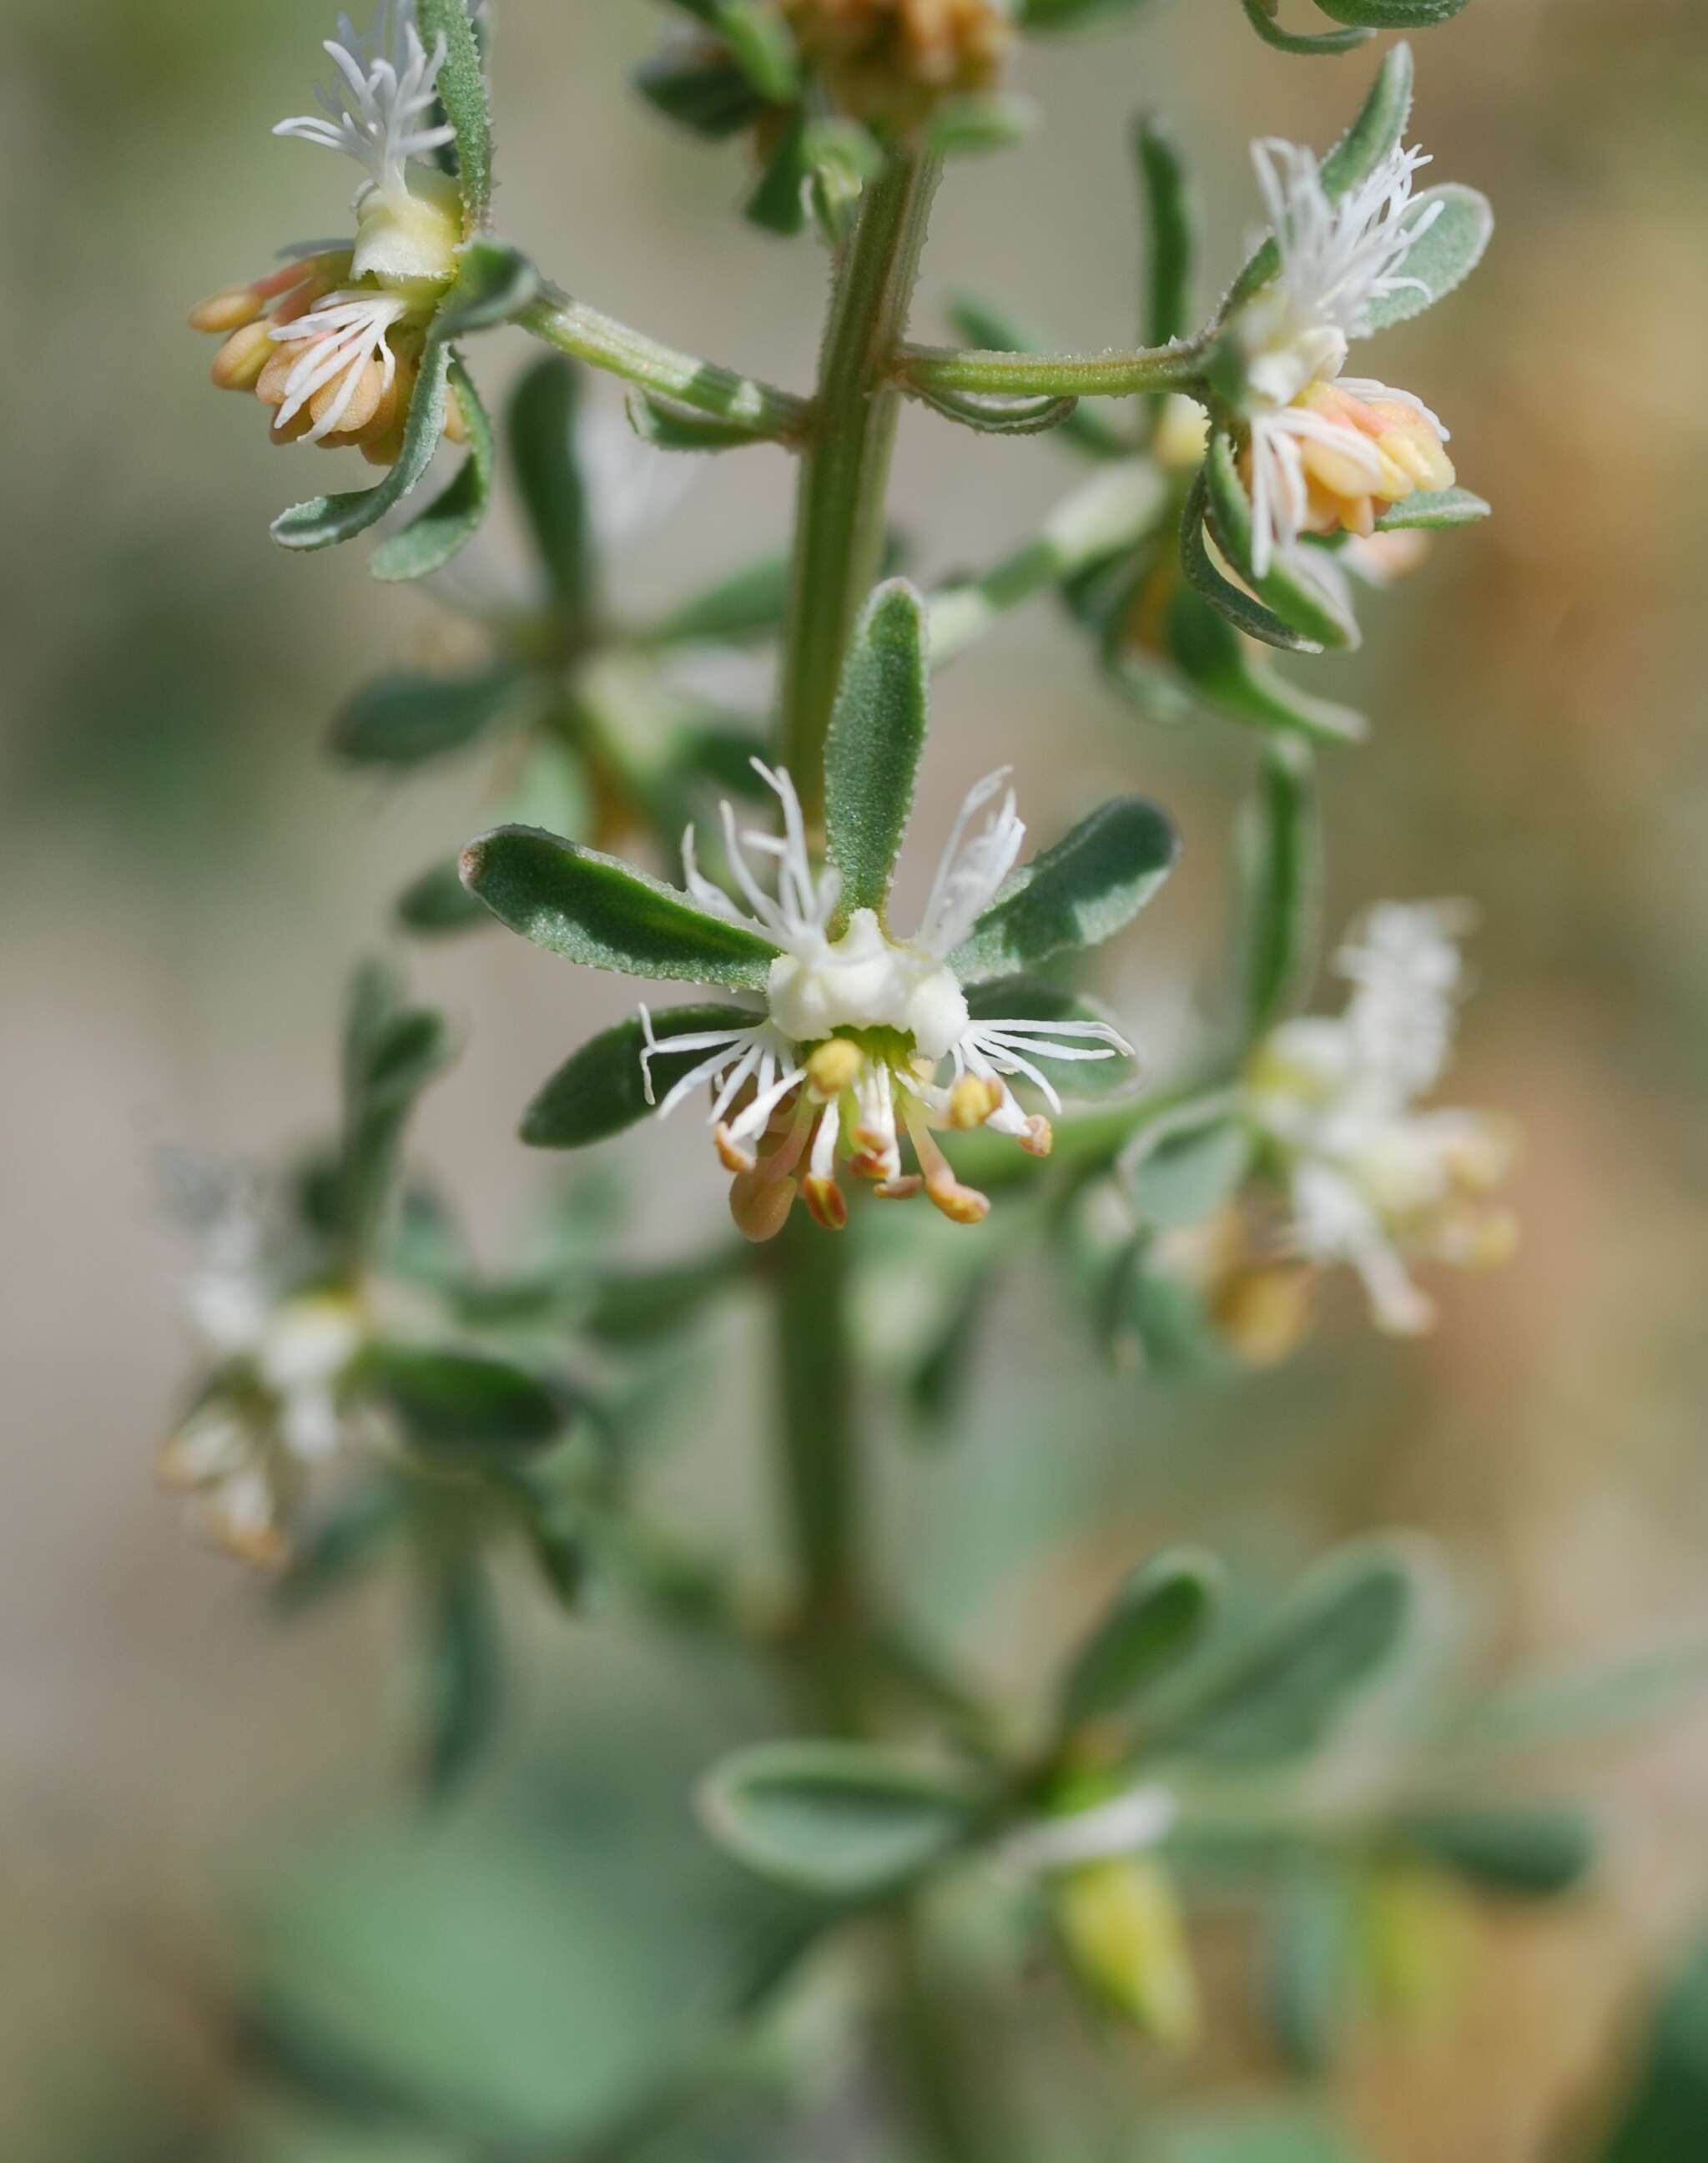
(408, 236)
(865, 980)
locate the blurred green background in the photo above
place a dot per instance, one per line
(186, 882)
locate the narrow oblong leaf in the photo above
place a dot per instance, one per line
(1381, 123)
(1183, 1167)
(1221, 667)
(872, 757)
(777, 204)
(1159, 1615)
(391, 1051)
(673, 427)
(1244, 612)
(1280, 852)
(989, 326)
(453, 517)
(1447, 506)
(1461, 222)
(1311, 1965)
(1309, 43)
(994, 414)
(403, 720)
(463, 93)
(761, 46)
(600, 1089)
(1332, 1638)
(541, 425)
(1171, 220)
(845, 1820)
(1309, 607)
(1533, 1852)
(597, 910)
(1031, 998)
(459, 1675)
(973, 126)
(1041, 16)
(464, 1408)
(1392, 15)
(1090, 885)
(703, 91)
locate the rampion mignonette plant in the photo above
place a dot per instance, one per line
(367, 1390)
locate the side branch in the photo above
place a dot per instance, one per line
(585, 334)
(1112, 374)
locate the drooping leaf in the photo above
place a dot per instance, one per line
(1089, 886)
(668, 426)
(1447, 506)
(391, 1052)
(777, 204)
(872, 757)
(1392, 15)
(1317, 44)
(1533, 1852)
(1031, 998)
(1377, 130)
(462, 88)
(1240, 609)
(988, 325)
(542, 422)
(1159, 1615)
(994, 413)
(1311, 1966)
(760, 45)
(1309, 608)
(848, 1821)
(454, 516)
(465, 1408)
(459, 1677)
(749, 604)
(1281, 878)
(1171, 221)
(601, 912)
(1332, 1638)
(1462, 224)
(1221, 667)
(600, 1089)
(404, 720)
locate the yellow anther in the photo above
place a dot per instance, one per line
(902, 1188)
(960, 1205)
(228, 310)
(972, 1100)
(760, 1206)
(733, 1155)
(1262, 1314)
(239, 362)
(826, 1201)
(833, 1067)
(1040, 1137)
(361, 405)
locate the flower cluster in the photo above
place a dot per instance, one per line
(889, 61)
(1325, 451)
(275, 1406)
(1372, 1180)
(865, 1037)
(331, 341)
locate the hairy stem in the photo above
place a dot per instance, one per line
(600, 340)
(845, 463)
(1114, 374)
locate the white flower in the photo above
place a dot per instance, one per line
(1328, 449)
(859, 1027)
(1371, 1179)
(384, 90)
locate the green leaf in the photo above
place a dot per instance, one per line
(1280, 850)
(749, 604)
(1377, 130)
(391, 1052)
(672, 427)
(872, 757)
(1391, 14)
(1182, 1168)
(1662, 2116)
(990, 326)
(1282, 1694)
(600, 1089)
(460, 1676)
(1307, 607)
(462, 88)
(844, 1821)
(973, 126)
(702, 90)
(1089, 886)
(1041, 17)
(1311, 1966)
(402, 720)
(1170, 219)
(438, 905)
(1320, 44)
(543, 453)
(1030, 998)
(454, 516)
(1158, 1616)
(1447, 506)
(334, 1547)
(493, 283)
(999, 413)
(1222, 668)
(1240, 609)
(760, 45)
(596, 910)
(1441, 259)
(777, 204)
(465, 1408)
(1534, 1852)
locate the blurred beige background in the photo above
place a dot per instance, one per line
(185, 881)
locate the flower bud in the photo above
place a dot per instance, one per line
(1122, 1929)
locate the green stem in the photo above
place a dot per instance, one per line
(1114, 374)
(820, 1462)
(845, 463)
(600, 340)
(1113, 511)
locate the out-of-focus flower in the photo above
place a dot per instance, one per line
(890, 61)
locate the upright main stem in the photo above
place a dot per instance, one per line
(838, 552)
(845, 459)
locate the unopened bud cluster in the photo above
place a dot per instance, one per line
(891, 61)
